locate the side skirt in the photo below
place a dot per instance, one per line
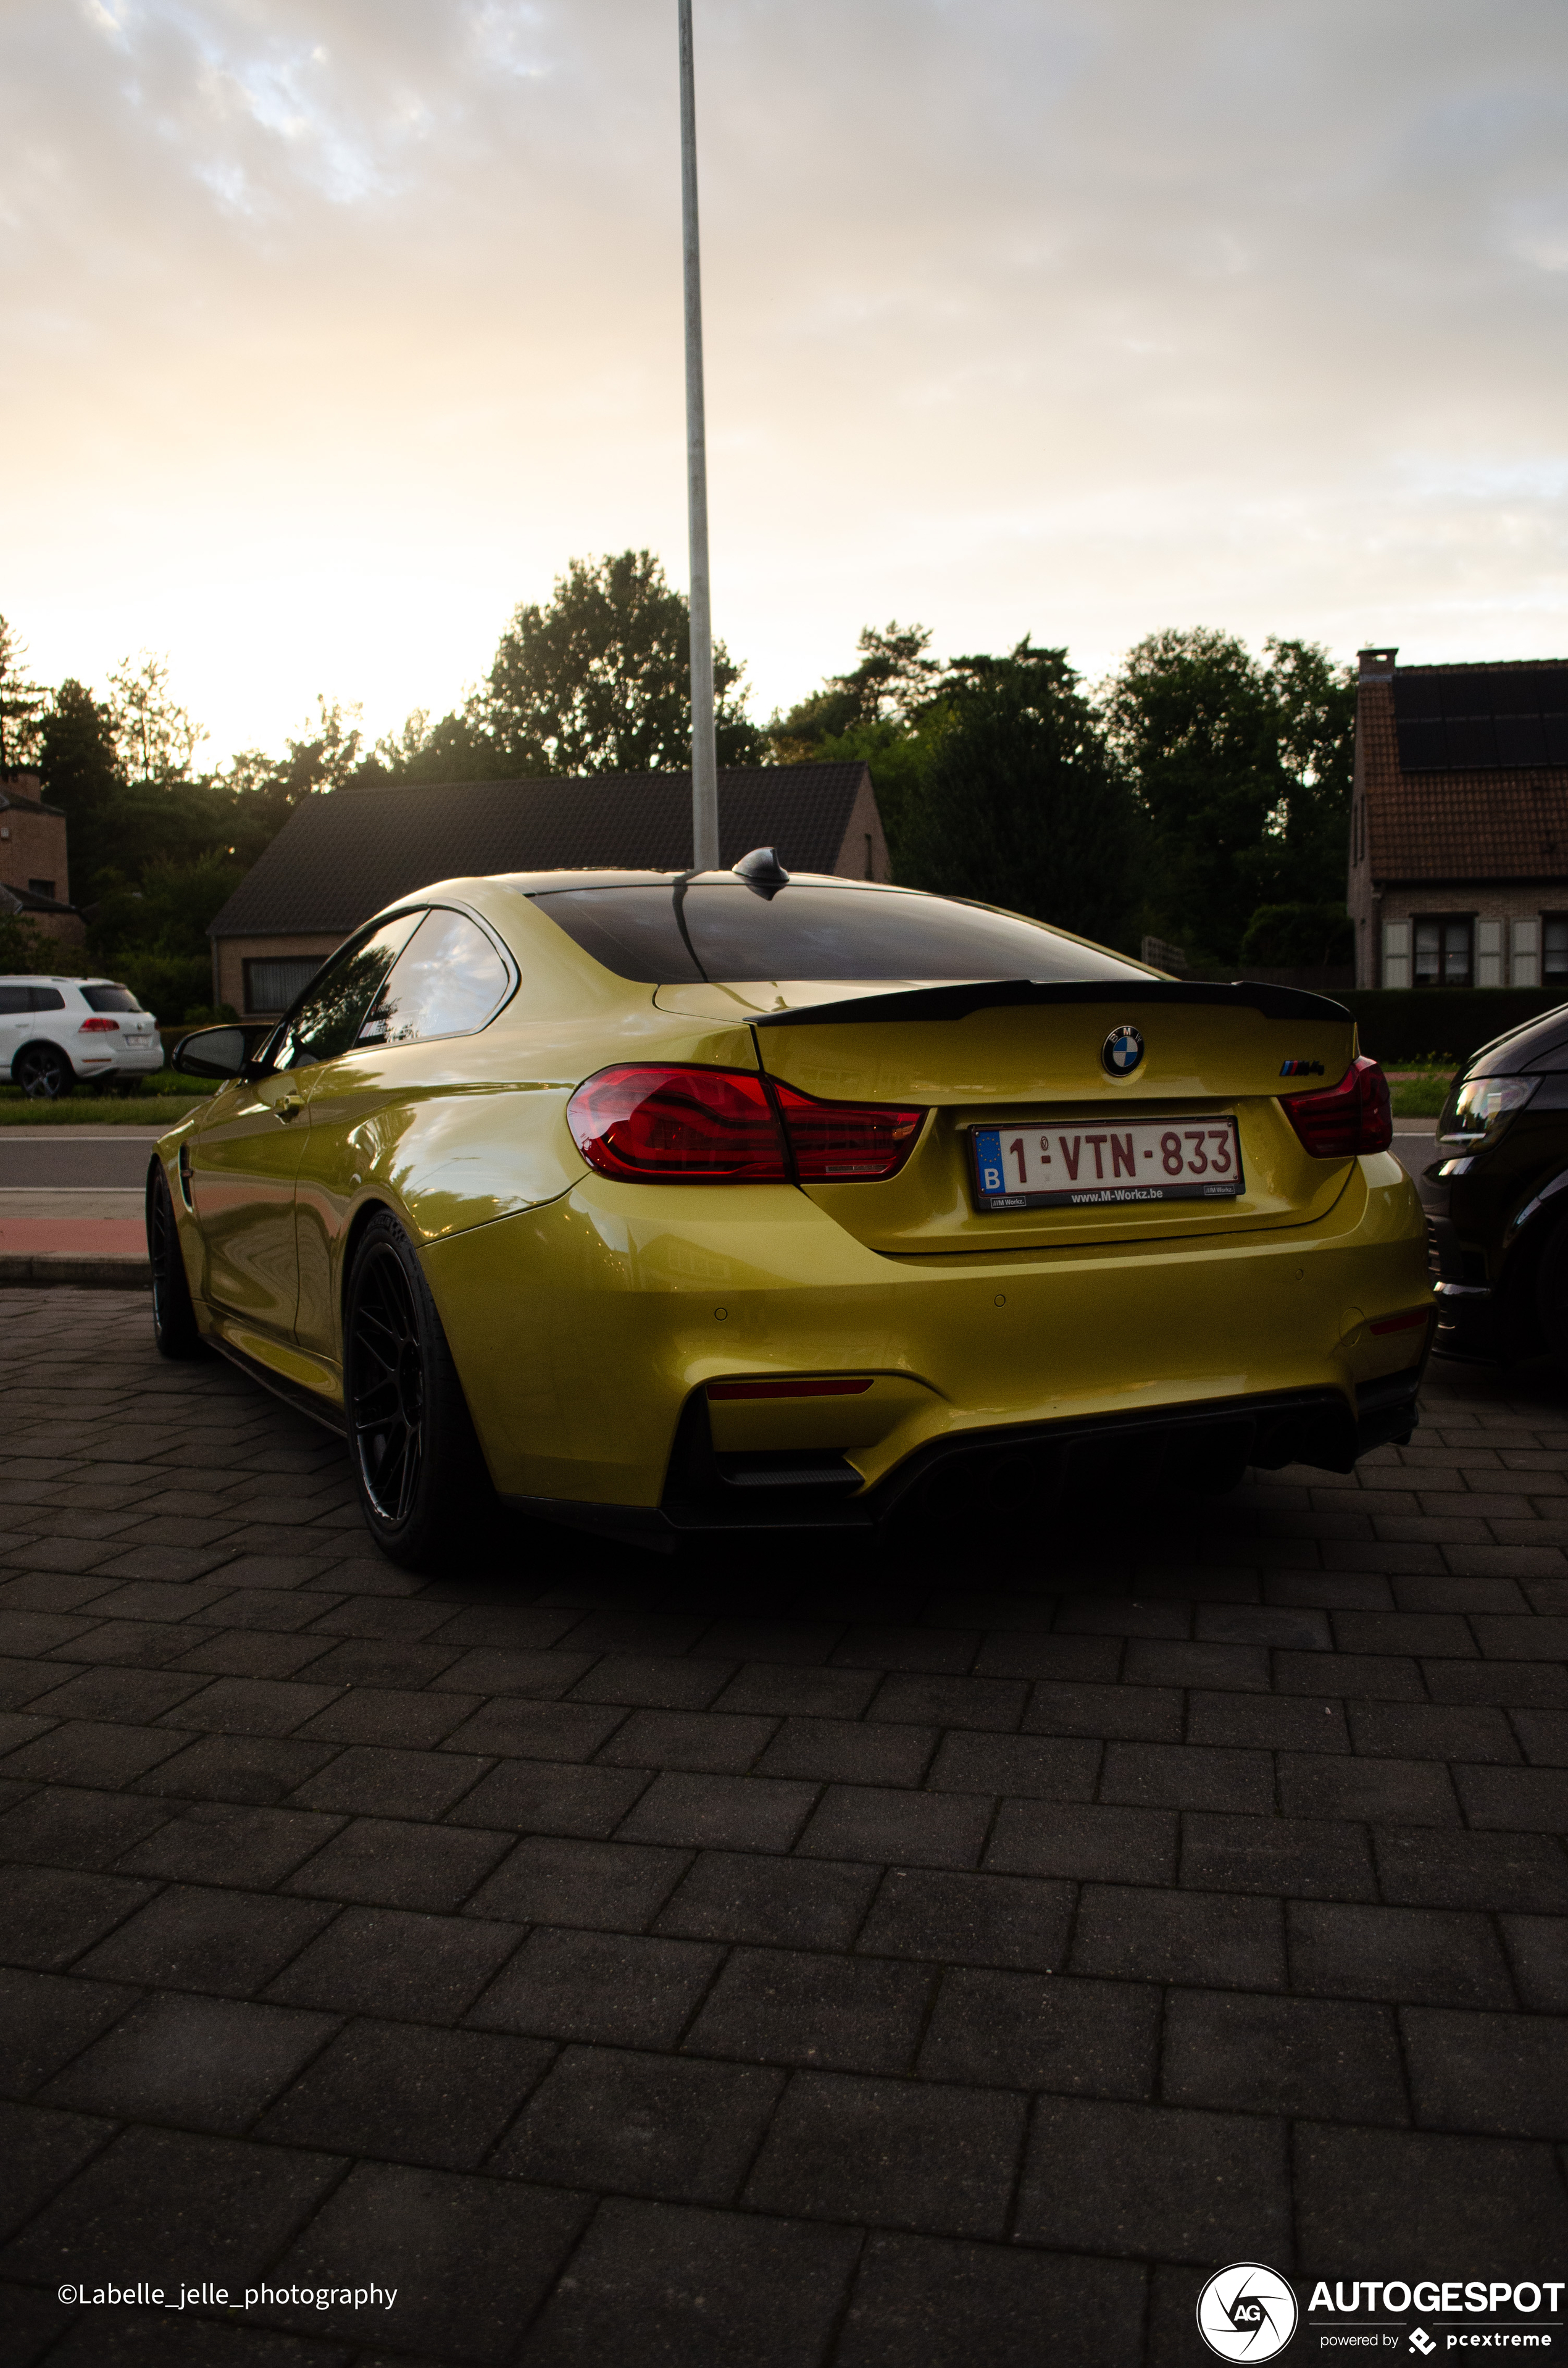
(303, 1401)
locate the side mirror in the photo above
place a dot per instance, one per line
(211, 1053)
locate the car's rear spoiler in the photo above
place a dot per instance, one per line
(956, 1002)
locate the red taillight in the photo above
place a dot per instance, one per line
(651, 1124)
(1354, 1116)
(97, 1026)
(846, 1141)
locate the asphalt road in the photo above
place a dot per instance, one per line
(60, 1157)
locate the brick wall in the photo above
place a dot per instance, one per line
(32, 846)
(1506, 928)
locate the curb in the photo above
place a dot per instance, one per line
(103, 1272)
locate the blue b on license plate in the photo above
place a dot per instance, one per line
(1095, 1164)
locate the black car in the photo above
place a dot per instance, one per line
(1496, 1198)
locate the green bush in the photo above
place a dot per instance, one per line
(1298, 936)
(1420, 1096)
(28, 951)
(1404, 1026)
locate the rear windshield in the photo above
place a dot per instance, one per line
(714, 930)
(110, 998)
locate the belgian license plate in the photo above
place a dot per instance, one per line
(1092, 1164)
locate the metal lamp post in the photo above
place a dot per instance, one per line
(704, 755)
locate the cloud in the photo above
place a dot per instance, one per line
(334, 329)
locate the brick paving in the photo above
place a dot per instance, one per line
(775, 1955)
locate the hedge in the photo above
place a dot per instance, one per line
(1400, 1025)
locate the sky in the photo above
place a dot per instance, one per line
(333, 328)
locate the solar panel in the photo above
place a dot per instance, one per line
(1480, 719)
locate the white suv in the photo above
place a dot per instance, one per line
(55, 1031)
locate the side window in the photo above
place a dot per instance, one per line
(14, 998)
(448, 982)
(327, 1018)
(47, 998)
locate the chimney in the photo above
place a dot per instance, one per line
(1376, 666)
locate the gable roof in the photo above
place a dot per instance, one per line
(343, 855)
(1451, 810)
(14, 800)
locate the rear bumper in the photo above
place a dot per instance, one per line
(585, 1330)
(1030, 1467)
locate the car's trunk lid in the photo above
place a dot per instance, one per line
(1022, 1053)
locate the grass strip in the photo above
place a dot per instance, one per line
(91, 1109)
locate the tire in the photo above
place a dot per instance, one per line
(43, 1072)
(174, 1315)
(421, 1477)
(1551, 1295)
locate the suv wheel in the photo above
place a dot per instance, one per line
(421, 1476)
(43, 1072)
(1551, 1295)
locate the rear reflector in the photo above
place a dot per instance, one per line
(1354, 1116)
(1405, 1323)
(787, 1389)
(651, 1125)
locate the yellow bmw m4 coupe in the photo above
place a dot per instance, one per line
(736, 1201)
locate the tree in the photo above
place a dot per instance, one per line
(21, 703)
(1301, 860)
(596, 681)
(153, 935)
(155, 737)
(264, 790)
(893, 682)
(458, 748)
(1298, 936)
(1024, 805)
(1245, 771)
(77, 753)
(888, 712)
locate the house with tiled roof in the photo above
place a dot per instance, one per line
(1458, 827)
(343, 855)
(35, 882)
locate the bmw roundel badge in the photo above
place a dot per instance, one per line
(1123, 1049)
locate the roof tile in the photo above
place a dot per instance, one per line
(1495, 823)
(343, 855)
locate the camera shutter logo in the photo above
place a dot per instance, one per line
(1246, 2312)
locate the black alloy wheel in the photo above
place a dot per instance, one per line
(43, 1072)
(421, 1477)
(175, 1327)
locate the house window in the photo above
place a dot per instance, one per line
(1524, 962)
(41, 887)
(1443, 951)
(271, 986)
(1554, 948)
